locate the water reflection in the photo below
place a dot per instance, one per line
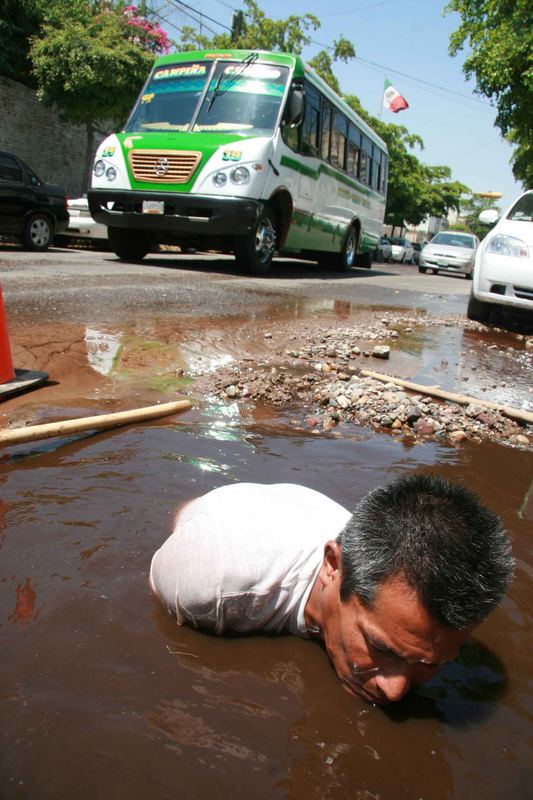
(463, 694)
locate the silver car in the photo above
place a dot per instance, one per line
(450, 251)
(401, 250)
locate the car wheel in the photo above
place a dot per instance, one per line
(435, 271)
(477, 311)
(37, 233)
(130, 245)
(468, 276)
(423, 270)
(254, 251)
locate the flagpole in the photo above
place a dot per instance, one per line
(381, 101)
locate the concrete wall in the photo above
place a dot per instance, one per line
(35, 132)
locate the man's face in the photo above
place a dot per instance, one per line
(379, 652)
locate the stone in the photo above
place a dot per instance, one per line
(232, 391)
(457, 436)
(381, 351)
(424, 427)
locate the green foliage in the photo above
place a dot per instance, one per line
(256, 31)
(19, 20)
(322, 63)
(499, 36)
(86, 60)
(471, 208)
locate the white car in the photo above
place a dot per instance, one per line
(81, 223)
(450, 251)
(401, 250)
(503, 271)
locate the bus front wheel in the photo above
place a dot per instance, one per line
(254, 251)
(130, 245)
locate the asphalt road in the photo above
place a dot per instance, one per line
(73, 283)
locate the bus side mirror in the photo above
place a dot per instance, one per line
(295, 107)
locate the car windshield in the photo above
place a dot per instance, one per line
(397, 240)
(242, 98)
(454, 240)
(522, 211)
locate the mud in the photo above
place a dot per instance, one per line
(103, 696)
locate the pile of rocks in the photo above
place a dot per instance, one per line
(317, 377)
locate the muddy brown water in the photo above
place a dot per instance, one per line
(102, 695)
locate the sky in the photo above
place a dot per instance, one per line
(406, 42)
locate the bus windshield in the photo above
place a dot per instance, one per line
(242, 98)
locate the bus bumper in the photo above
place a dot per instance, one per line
(183, 214)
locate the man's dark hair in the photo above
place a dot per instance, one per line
(438, 536)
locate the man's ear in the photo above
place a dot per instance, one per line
(331, 569)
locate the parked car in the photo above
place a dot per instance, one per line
(417, 249)
(383, 250)
(450, 251)
(30, 209)
(81, 224)
(401, 250)
(503, 271)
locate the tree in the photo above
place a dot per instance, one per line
(19, 21)
(91, 59)
(255, 31)
(471, 208)
(499, 35)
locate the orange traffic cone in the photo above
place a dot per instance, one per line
(14, 381)
(7, 373)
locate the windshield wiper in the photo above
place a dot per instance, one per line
(232, 80)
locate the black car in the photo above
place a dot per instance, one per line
(30, 209)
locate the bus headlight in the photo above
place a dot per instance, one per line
(111, 173)
(240, 175)
(220, 178)
(99, 168)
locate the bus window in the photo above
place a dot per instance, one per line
(326, 126)
(365, 172)
(384, 168)
(242, 98)
(354, 152)
(311, 123)
(376, 169)
(338, 140)
(169, 99)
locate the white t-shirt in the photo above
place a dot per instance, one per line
(244, 557)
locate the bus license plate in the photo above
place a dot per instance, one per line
(153, 207)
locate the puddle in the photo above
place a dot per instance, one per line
(95, 666)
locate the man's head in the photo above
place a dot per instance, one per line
(420, 563)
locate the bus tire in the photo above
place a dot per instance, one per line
(37, 233)
(346, 258)
(255, 250)
(129, 245)
(476, 311)
(363, 260)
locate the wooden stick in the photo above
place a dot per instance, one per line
(96, 423)
(462, 399)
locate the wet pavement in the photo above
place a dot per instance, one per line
(103, 696)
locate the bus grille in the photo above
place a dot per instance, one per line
(163, 166)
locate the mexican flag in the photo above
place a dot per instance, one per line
(392, 98)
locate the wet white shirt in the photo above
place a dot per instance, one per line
(244, 557)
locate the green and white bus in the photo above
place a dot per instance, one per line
(244, 152)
